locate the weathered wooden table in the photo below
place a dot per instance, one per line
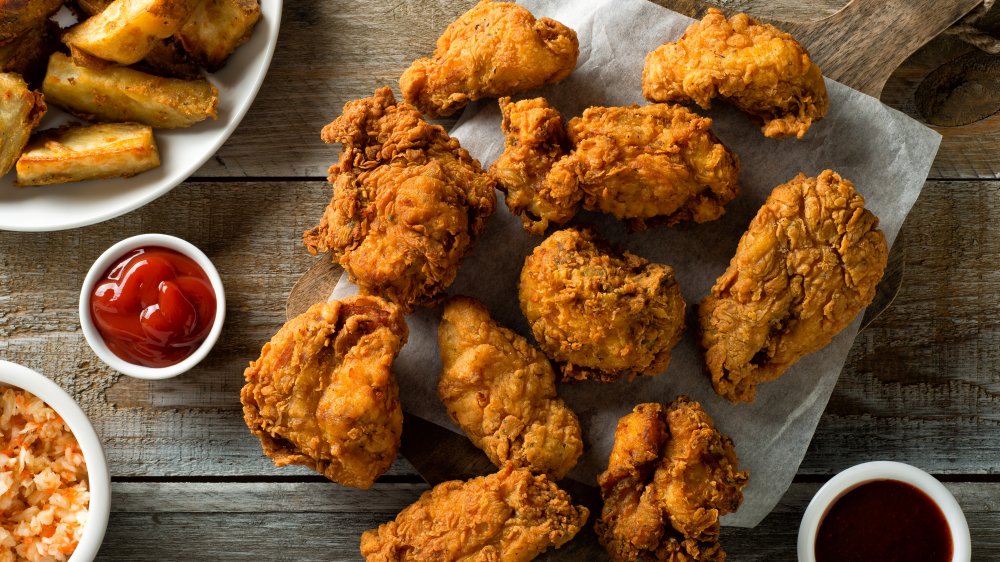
(922, 384)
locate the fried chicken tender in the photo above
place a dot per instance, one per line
(598, 313)
(408, 201)
(509, 516)
(535, 139)
(322, 393)
(760, 69)
(495, 49)
(808, 263)
(502, 392)
(657, 162)
(670, 476)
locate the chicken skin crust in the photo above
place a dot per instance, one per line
(509, 516)
(670, 476)
(495, 49)
(408, 202)
(322, 393)
(808, 263)
(658, 161)
(502, 392)
(535, 139)
(760, 69)
(598, 313)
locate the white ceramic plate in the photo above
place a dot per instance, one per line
(182, 151)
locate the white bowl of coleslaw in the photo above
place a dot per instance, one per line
(47, 516)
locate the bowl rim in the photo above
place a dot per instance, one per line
(102, 263)
(98, 477)
(863, 473)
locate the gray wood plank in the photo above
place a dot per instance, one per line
(921, 384)
(307, 521)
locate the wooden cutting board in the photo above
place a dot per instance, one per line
(860, 46)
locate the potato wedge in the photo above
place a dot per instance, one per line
(216, 28)
(127, 30)
(166, 58)
(27, 54)
(78, 153)
(20, 16)
(20, 111)
(117, 94)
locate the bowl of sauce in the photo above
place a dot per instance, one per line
(152, 306)
(885, 511)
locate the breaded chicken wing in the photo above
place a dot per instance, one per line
(535, 140)
(322, 393)
(760, 69)
(509, 516)
(808, 263)
(600, 314)
(670, 476)
(408, 201)
(495, 49)
(658, 162)
(502, 392)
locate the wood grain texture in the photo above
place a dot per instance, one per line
(329, 53)
(307, 521)
(922, 383)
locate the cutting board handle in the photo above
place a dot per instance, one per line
(863, 43)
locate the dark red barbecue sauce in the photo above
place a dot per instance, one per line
(153, 307)
(884, 521)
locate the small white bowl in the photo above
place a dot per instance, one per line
(884, 470)
(99, 480)
(115, 253)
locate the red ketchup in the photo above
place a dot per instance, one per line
(153, 307)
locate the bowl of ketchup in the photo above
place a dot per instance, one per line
(885, 511)
(152, 306)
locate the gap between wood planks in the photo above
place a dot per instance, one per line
(403, 479)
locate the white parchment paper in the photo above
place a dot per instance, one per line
(885, 153)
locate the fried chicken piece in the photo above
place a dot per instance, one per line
(657, 162)
(760, 69)
(509, 516)
(20, 16)
(408, 201)
(322, 393)
(495, 49)
(808, 263)
(600, 314)
(670, 476)
(535, 139)
(502, 392)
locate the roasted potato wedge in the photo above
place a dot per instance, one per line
(117, 94)
(78, 153)
(28, 53)
(20, 111)
(216, 28)
(127, 30)
(20, 16)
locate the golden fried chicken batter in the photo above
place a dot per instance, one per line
(509, 516)
(322, 393)
(808, 263)
(535, 140)
(502, 392)
(760, 69)
(495, 49)
(408, 201)
(670, 476)
(657, 162)
(598, 313)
